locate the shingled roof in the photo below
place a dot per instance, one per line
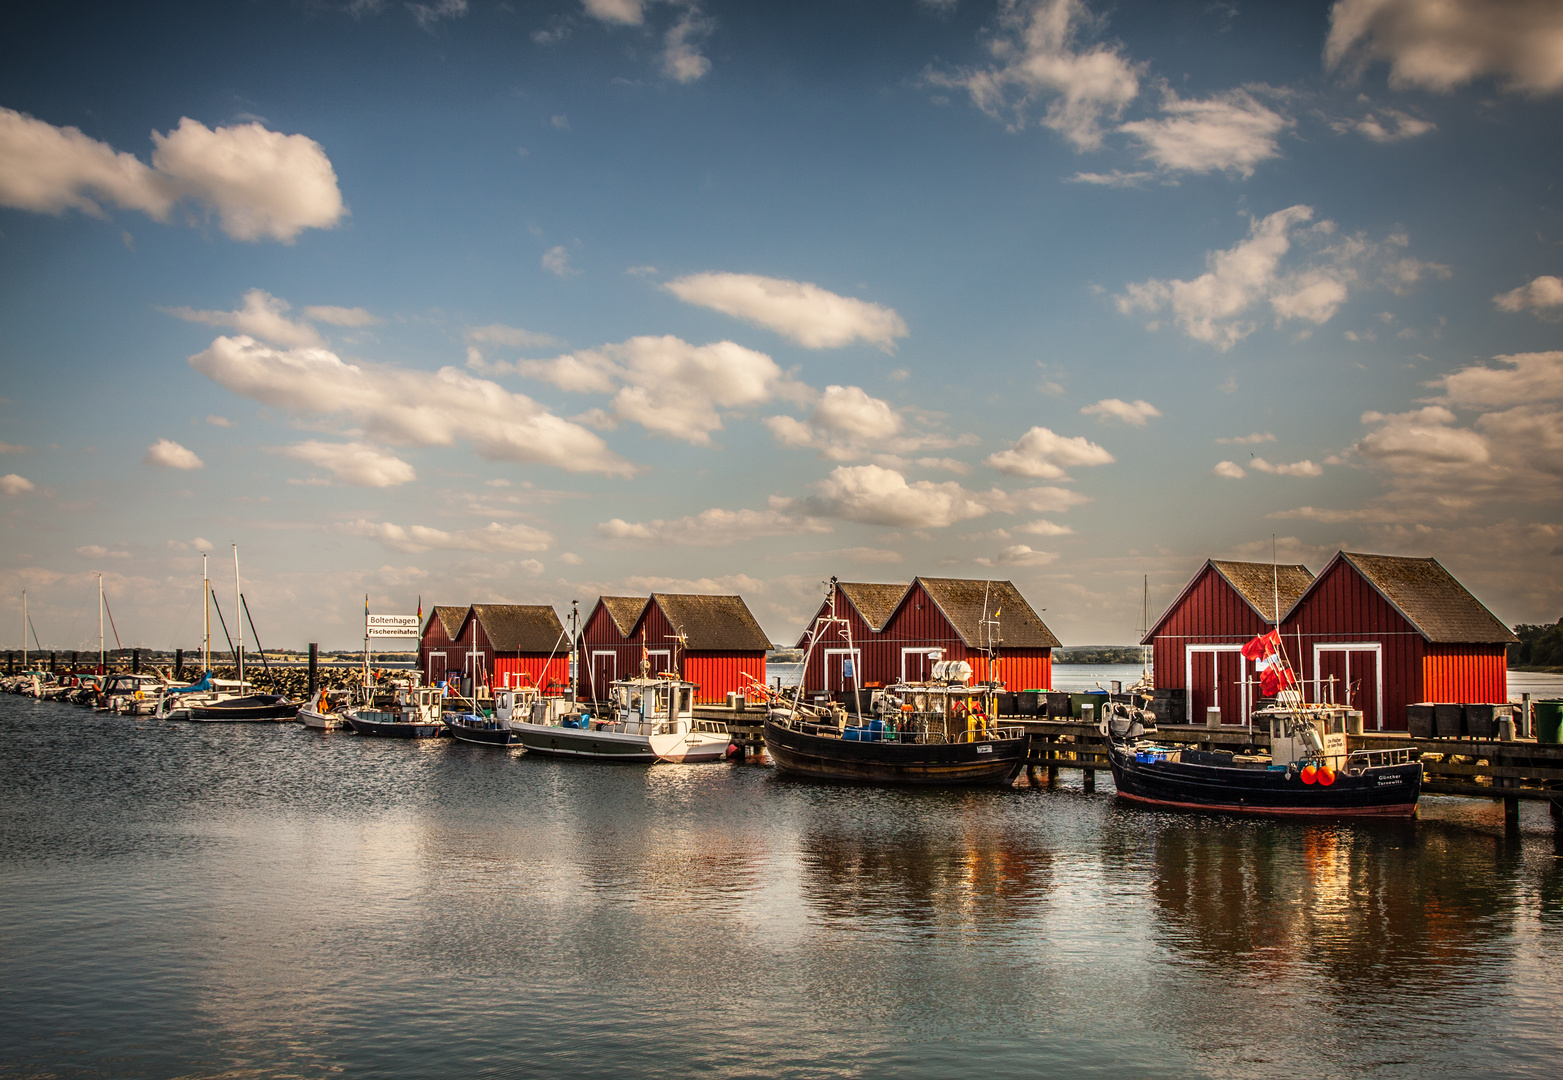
(874, 602)
(1432, 601)
(712, 622)
(1261, 583)
(624, 611)
(963, 602)
(450, 618)
(527, 628)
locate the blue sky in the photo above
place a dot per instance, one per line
(529, 302)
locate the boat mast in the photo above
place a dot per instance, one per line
(24, 629)
(237, 600)
(100, 625)
(575, 652)
(206, 617)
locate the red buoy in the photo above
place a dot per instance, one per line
(1309, 773)
(1326, 775)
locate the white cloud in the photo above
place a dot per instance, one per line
(98, 551)
(354, 463)
(1037, 58)
(262, 316)
(556, 260)
(1247, 440)
(1226, 132)
(875, 495)
(1134, 413)
(1296, 468)
(13, 448)
(1044, 454)
(514, 336)
(848, 424)
(170, 455)
(1527, 377)
(12, 484)
(1442, 44)
(570, 558)
(669, 386)
(1543, 296)
(493, 538)
(341, 316)
(1219, 306)
(815, 318)
(1037, 500)
(219, 421)
(1229, 470)
(429, 14)
(1043, 527)
(410, 408)
(622, 12)
(1018, 555)
(711, 528)
(682, 60)
(1117, 178)
(1385, 125)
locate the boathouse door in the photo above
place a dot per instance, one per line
(1351, 674)
(661, 660)
(436, 671)
(917, 664)
(842, 670)
(1216, 677)
(605, 668)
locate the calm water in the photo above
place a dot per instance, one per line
(257, 901)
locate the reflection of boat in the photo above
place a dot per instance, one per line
(939, 732)
(1310, 772)
(652, 720)
(412, 713)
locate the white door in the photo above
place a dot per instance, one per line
(917, 664)
(661, 660)
(842, 669)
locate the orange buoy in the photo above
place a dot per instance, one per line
(1310, 773)
(1326, 775)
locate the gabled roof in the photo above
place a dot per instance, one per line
(450, 618)
(712, 622)
(874, 602)
(527, 628)
(1257, 584)
(1429, 598)
(964, 602)
(624, 611)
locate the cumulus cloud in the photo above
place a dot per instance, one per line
(1253, 439)
(1018, 555)
(1524, 377)
(1134, 413)
(514, 336)
(98, 551)
(848, 424)
(12, 484)
(492, 538)
(815, 318)
(711, 528)
(622, 12)
(1038, 58)
(170, 455)
(1543, 297)
(875, 495)
(404, 407)
(556, 260)
(1220, 306)
(429, 14)
(1043, 454)
(1296, 468)
(13, 448)
(1384, 125)
(263, 316)
(1229, 470)
(1043, 527)
(1443, 44)
(1226, 132)
(682, 60)
(341, 316)
(1117, 178)
(667, 385)
(354, 463)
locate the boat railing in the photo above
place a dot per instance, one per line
(909, 733)
(1358, 760)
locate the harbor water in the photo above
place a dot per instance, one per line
(259, 900)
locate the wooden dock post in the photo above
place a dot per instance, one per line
(314, 669)
(179, 665)
(1088, 782)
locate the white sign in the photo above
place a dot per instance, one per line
(391, 626)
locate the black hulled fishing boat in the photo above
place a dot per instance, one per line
(412, 712)
(484, 730)
(940, 732)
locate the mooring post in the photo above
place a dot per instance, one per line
(135, 661)
(1089, 782)
(314, 668)
(1526, 731)
(1052, 760)
(179, 665)
(1511, 814)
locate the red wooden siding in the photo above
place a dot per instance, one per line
(1465, 673)
(550, 676)
(601, 635)
(1210, 613)
(435, 640)
(717, 673)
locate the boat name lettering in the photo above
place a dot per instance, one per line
(984, 749)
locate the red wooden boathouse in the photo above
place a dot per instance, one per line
(712, 641)
(437, 649)
(516, 645)
(899, 631)
(1394, 631)
(1196, 644)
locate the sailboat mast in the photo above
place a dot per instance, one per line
(206, 617)
(237, 600)
(100, 625)
(24, 629)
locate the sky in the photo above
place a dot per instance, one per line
(462, 302)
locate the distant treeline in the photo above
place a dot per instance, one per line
(1539, 646)
(1099, 654)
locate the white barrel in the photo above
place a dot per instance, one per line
(954, 671)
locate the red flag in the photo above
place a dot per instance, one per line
(1275, 678)
(1262, 646)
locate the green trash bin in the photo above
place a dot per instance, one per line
(1549, 721)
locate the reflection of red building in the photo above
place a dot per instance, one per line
(899, 631)
(437, 650)
(1196, 644)
(714, 641)
(1392, 631)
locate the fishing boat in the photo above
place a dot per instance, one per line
(324, 712)
(651, 718)
(481, 728)
(133, 695)
(939, 732)
(411, 712)
(1309, 772)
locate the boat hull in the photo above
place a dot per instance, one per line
(249, 710)
(1387, 791)
(396, 729)
(483, 735)
(316, 721)
(820, 757)
(583, 743)
(691, 747)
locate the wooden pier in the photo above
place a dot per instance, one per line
(1508, 770)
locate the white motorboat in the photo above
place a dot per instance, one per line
(652, 719)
